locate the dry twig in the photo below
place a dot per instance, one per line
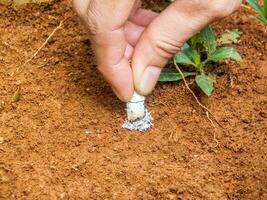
(19, 69)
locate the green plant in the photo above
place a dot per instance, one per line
(229, 37)
(197, 55)
(261, 10)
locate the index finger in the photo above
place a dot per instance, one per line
(105, 23)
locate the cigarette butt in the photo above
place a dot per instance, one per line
(136, 107)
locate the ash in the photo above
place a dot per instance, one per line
(141, 124)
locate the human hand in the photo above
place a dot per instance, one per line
(114, 27)
(168, 32)
(120, 30)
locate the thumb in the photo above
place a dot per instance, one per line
(166, 35)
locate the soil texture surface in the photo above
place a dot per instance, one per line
(60, 123)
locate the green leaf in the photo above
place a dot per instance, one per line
(225, 53)
(257, 7)
(182, 58)
(191, 53)
(185, 47)
(17, 95)
(261, 10)
(187, 50)
(205, 83)
(229, 37)
(196, 39)
(171, 74)
(196, 57)
(208, 39)
(185, 56)
(261, 19)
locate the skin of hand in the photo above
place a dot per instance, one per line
(114, 27)
(121, 31)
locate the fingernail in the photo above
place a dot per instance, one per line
(149, 79)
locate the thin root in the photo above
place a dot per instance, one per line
(214, 133)
(20, 69)
(208, 112)
(199, 103)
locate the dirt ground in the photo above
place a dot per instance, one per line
(63, 139)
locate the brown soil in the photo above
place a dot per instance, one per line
(63, 139)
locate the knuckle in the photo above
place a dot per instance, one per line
(88, 15)
(164, 47)
(91, 19)
(223, 8)
(91, 23)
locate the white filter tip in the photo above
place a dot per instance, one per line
(136, 107)
(138, 118)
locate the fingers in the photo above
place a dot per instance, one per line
(112, 56)
(80, 6)
(165, 36)
(133, 32)
(143, 17)
(116, 26)
(114, 48)
(137, 23)
(129, 51)
(105, 21)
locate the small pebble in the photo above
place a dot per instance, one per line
(87, 132)
(62, 195)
